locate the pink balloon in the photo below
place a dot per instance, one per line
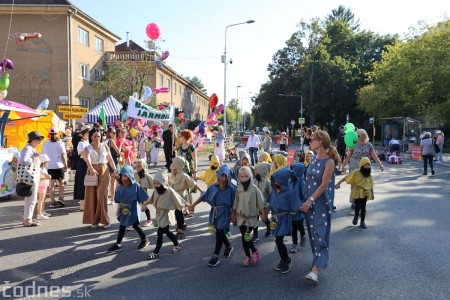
(165, 55)
(8, 64)
(152, 31)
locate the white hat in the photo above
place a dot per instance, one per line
(44, 158)
(437, 131)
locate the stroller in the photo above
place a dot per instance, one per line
(231, 152)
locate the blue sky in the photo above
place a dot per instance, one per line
(194, 31)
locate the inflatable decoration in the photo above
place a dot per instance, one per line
(165, 55)
(160, 90)
(147, 95)
(152, 31)
(351, 138)
(349, 127)
(159, 62)
(3, 94)
(4, 82)
(22, 36)
(7, 64)
(133, 132)
(43, 105)
(213, 100)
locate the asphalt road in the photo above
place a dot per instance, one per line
(403, 254)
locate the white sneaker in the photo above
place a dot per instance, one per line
(42, 217)
(46, 214)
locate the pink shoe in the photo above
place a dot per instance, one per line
(247, 261)
(255, 257)
(147, 223)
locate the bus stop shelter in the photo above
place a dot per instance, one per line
(395, 127)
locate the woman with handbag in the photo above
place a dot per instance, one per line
(81, 169)
(29, 159)
(97, 182)
(428, 152)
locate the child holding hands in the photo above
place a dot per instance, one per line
(362, 189)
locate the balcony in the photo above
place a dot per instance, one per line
(111, 56)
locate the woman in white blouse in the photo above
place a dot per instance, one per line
(97, 157)
(78, 189)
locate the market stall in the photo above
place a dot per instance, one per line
(112, 111)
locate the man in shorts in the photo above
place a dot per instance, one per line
(57, 165)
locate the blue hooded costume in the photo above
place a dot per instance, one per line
(129, 196)
(283, 204)
(221, 201)
(298, 187)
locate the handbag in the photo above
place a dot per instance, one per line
(26, 173)
(23, 189)
(431, 150)
(90, 180)
(436, 148)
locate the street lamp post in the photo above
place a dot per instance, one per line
(224, 60)
(237, 102)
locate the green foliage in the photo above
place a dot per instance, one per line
(195, 81)
(412, 79)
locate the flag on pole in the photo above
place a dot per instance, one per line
(103, 117)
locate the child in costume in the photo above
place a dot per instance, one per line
(145, 180)
(279, 162)
(44, 182)
(209, 176)
(264, 157)
(247, 205)
(283, 202)
(165, 200)
(262, 169)
(244, 161)
(181, 182)
(362, 189)
(128, 194)
(298, 186)
(221, 197)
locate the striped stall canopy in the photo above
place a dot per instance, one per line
(112, 109)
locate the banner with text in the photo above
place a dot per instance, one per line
(138, 110)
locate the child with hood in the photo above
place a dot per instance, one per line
(165, 200)
(221, 197)
(209, 176)
(279, 162)
(127, 196)
(263, 184)
(246, 207)
(264, 157)
(283, 202)
(298, 186)
(145, 180)
(181, 182)
(362, 188)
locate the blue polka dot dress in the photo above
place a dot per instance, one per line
(318, 218)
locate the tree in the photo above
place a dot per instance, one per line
(195, 81)
(123, 78)
(345, 15)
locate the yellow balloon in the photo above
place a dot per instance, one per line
(133, 132)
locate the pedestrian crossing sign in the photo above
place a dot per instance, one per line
(301, 120)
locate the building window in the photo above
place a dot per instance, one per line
(83, 36)
(98, 73)
(97, 103)
(174, 88)
(98, 44)
(168, 84)
(180, 89)
(84, 71)
(161, 79)
(84, 102)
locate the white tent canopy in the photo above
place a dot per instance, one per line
(112, 109)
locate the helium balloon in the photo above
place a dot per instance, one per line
(124, 116)
(1, 68)
(147, 93)
(159, 62)
(43, 105)
(152, 31)
(4, 82)
(21, 36)
(180, 116)
(165, 55)
(349, 127)
(133, 132)
(213, 100)
(8, 64)
(3, 94)
(351, 138)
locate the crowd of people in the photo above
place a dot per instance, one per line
(285, 198)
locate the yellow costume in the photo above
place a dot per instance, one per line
(209, 176)
(280, 161)
(361, 186)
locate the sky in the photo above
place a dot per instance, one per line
(193, 31)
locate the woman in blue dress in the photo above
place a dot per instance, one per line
(318, 201)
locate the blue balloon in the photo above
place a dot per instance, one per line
(43, 105)
(124, 116)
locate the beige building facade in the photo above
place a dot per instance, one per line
(72, 54)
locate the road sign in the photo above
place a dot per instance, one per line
(301, 120)
(292, 122)
(371, 120)
(73, 116)
(72, 108)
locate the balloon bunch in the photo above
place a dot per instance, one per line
(159, 61)
(6, 64)
(351, 137)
